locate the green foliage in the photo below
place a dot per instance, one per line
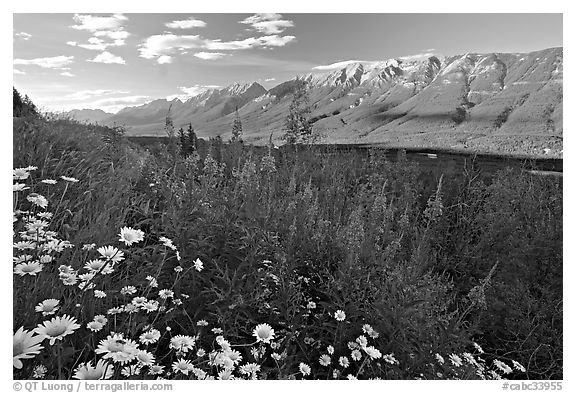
(297, 124)
(236, 129)
(22, 106)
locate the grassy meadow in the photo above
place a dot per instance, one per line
(237, 262)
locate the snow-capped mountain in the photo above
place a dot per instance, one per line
(499, 102)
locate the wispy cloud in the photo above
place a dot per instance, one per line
(210, 55)
(338, 65)
(165, 59)
(268, 23)
(186, 24)
(56, 62)
(269, 79)
(25, 36)
(108, 58)
(94, 23)
(88, 94)
(17, 72)
(418, 56)
(169, 44)
(67, 73)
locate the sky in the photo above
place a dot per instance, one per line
(109, 61)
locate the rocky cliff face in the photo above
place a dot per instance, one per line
(496, 102)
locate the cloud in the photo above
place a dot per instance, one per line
(338, 65)
(210, 55)
(108, 58)
(94, 23)
(87, 94)
(191, 91)
(66, 73)
(113, 34)
(114, 104)
(57, 62)
(417, 56)
(186, 24)
(168, 44)
(165, 59)
(268, 23)
(18, 72)
(25, 36)
(269, 79)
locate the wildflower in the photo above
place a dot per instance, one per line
(111, 253)
(225, 375)
(101, 319)
(305, 369)
(198, 265)
(165, 293)
(439, 358)
(276, 356)
(48, 306)
(150, 337)
(224, 344)
(202, 322)
(167, 242)
(139, 301)
(71, 279)
(30, 168)
(344, 362)
(45, 259)
(250, 368)
(145, 358)
(27, 245)
(494, 374)
(325, 360)
(48, 181)
(183, 366)
(57, 328)
(311, 305)
(114, 311)
(19, 187)
(153, 283)
(356, 355)
(117, 348)
(352, 345)
(25, 346)
(178, 258)
(330, 349)
(130, 236)
(103, 370)
(455, 360)
(518, 366)
(128, 290)
(263, 333)
(155, 369)
(198, 373)
(178, 269)
(373, 352)
(200, 352)
(502, 366)
(362, 341)
(216, 330)
(340, 315)
(182, 343)
(177, 302)
(30, 268)
(351, 377)
(94, 326)
(389, 358)
(39, 371)
(478, 348)
(469, 358)
(69, 179)
(370, 331)
(38, 200)
(150, 306)
(99, 294)
(131, 370)
(20, 174)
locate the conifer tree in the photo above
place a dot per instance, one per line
(236, 129)
(297, 124)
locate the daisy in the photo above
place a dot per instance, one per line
(20, 174)
(150, 337)
(276, 356)
(225, 375)
(57, 328)
(439, 358)
(224, 344)
(48, 181)
(178, 269)
(305, 369)
(30, 268)
(101, 319)
(340, 315)
(99, 294)
(48, 306)
(38, 200)
(351, 377)
(217, 330)
(111, 253)
(150, 306)
(25, 346)
(198, 373)
(130, 236)
(356, 355)
(455, 360)
(39, 371)
(94, 326)
(373, 352)
(478, 348)
(198, 265)
(502, 366)
(165, 293)
(325, 360)
(233, 355)
(103, 370)
(263, 333)
(46, 259)
(89, 247)
(183, 366)
(362, 341)
(27, 245)
(344, 362)
(182, 343)
(469, 358)
(389, 358)
(117, 348)
(69, 179)
(19, 187)
(167, 242)
(330, 349)
(139, 301)
(518, 366)
(129, 371)
(156, 369)
(30, 168)
(250, 368)
(94, 265)
(153, 283)
(178, 258)
(145, 358)
(128, 290)
(114, 311)
(311, 305)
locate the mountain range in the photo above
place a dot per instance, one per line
(506, 103)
